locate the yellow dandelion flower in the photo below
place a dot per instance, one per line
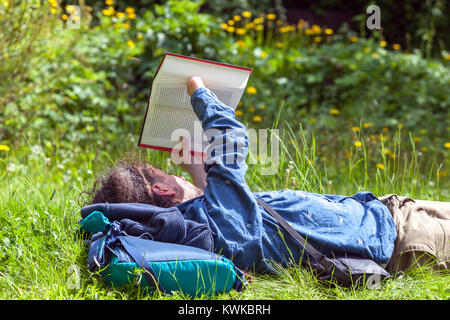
(334, 111)
(109, 2)
(4, 147)
(249, 25)
(130, 43)
(6, 3)
(447, 57)
(64, 16)
(375, 55)
(447, 145)
(262, 107)
(317, 39)
(53, 10)
(252, 109)
(230, 29)
(108, 12)
(387, 151)
(279, 44)
(396, 46)
(356, 129)
(316, 29)
(301, 23)
(258, 20)
(241, 43)
(442, 174)
(309, 31)
(126, 26)
(417, 139)
(367, 124)
(380, 166)
(271, 16)
(358, 144)
(230, 22)
(238, 113)
(237, 18)
(240, 31)
(120, 14)
(354, 39)
(383, 43)
(257, 119)
(224, 25)
(140, 36)
(383, 138)
(385, 129)
(329, 31)
(246, 14)
(129, 10)
(263, 54)
(312, 121)
(70, 8)
(423, 131)
(251, 90)
(259, 27)
(424, 149)
(131, 15)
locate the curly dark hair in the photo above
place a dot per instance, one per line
(132, 182)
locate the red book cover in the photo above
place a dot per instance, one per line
(185, 75)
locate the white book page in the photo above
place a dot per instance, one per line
(213, 74)
(170, 115)
(170, 112)
(163, 133)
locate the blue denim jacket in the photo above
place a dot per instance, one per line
(245, 232)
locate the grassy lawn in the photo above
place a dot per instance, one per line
(39, 211)
(365, 111)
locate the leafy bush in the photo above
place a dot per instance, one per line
(332, 81)
(24, 34)
(88, 87)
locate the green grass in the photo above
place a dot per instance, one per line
(40, 258)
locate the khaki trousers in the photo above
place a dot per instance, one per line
(423, 233)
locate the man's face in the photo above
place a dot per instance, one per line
(184, 189)
(190, 190)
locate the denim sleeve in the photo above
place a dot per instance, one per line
(228, 139)
(228, 200)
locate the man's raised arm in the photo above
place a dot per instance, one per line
(227, 136)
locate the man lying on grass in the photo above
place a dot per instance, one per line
(393, 231)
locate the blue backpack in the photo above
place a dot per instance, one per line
(121, 258)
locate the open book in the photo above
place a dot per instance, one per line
(169, 112)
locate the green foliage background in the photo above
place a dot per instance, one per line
(78, 88)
